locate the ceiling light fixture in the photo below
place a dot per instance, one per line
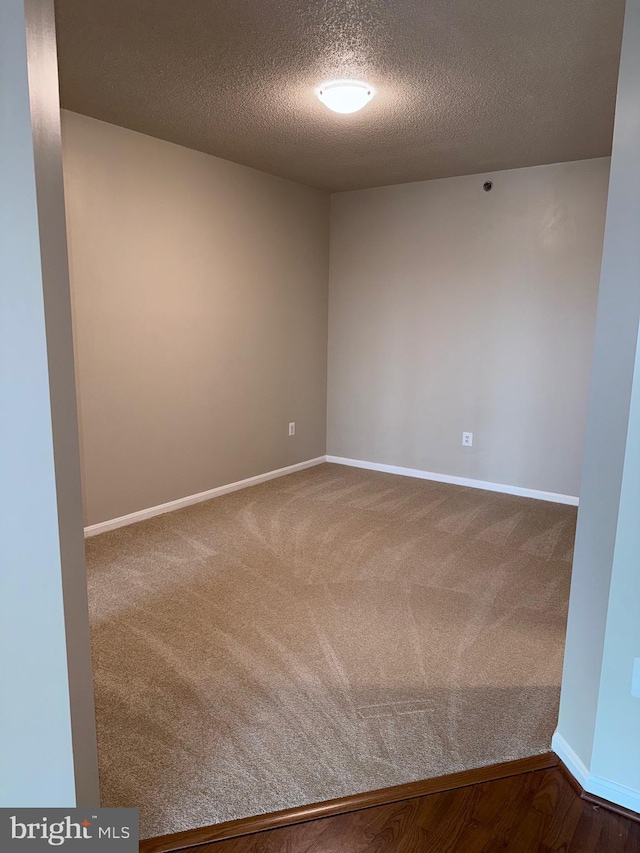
(345, 96)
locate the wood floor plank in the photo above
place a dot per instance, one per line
(617, 833)
(450, 827)
(501, 814)
(358, 832)
(289, 839)
(529, 821)
(401, 831)
(564, 816)
(586, 838)
(633, 842)
(500, 805)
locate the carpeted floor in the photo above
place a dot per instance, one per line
(326, 633)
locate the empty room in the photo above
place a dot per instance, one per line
(336, 285)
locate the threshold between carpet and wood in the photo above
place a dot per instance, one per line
(264, 825)
(528, 806)
(328, 633)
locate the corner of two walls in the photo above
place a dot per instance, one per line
(204, 296)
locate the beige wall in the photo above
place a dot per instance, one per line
(453, 310)
(200, 309)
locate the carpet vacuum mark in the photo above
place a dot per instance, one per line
(327, 633)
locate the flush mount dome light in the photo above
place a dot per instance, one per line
(345, 96)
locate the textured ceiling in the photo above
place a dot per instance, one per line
(464, 86)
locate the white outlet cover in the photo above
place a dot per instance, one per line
(292, 428)
(467, 439)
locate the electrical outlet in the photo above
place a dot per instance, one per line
(292, 428)
(635, 679)
(467, 439)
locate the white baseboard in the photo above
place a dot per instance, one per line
(458, 481)
(143, 514)
(571, 761)
(621, 795)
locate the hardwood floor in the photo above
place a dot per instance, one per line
(534, 812)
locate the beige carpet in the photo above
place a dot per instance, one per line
(330, 632)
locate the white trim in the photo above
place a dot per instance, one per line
(621, 795)
(458, 481)
(142, 514)
(570, 759)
